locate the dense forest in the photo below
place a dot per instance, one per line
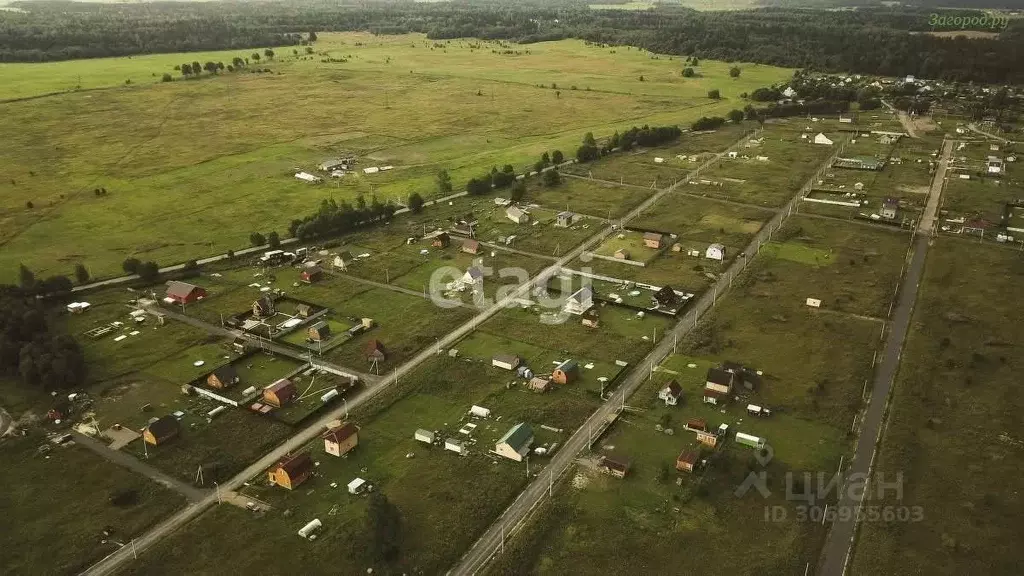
(888, 41)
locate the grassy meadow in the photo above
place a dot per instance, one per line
(191, 167)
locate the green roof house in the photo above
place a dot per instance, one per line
(515, 444)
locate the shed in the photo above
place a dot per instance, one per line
(339, 441)
(342, 260)
(310, 275)
(425, 436)
(280, 393)
(319, 331)
(374, 351)
(566, 372)
(505, 361)
(751, 441)
(538, 384)
(517, 215)
(622, 254)
(820, 138)
(291, 471)
(455, 445)
(161, 430)
(580, 301)
(473, 275)
(303, 310)
(715, 252)
(184, 293)
(565, 219)
(471, 246)
(591, 318)
(515, 444)
(615, 465)
(479, 411)
(652, 240)
(442, 240)
(356, 486)
(687, 460)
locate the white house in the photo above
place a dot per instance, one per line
(455, 445)
(580, 301)
(670, 393)
(517, 215)
(822, 139)
(307, 177)
(425, 436)
(995, 165)
(715, 252)
(473, 276)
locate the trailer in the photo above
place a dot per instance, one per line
(759, 411)
(751, 441)
(309, 530)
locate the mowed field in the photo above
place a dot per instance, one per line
(193, 167)
(955, 433)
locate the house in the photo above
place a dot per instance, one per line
(670, 393)
(425, 436)
(517, 215)
(473, 276)
(707, 438)
(538, 384)
(222, 377)
(666, 297)
(591, 318)
(471, 246)
(720, 380)
(566, 372)
(291, 471)
(505, 361)
(184, 293)
(307, 177)
(442, 240)
(342, 260)
(303, 310)
(161, 430)
(515, 444)
(715, 252)
(890, 207)
(310, 275)
(995, 165)
(334, 164)
(565, 219)
(822, 139)
(375, 351)
(455, 445)
(263, 306)
(714, 397)
(687, 460)
(339, 441)
(614, 465)
(622, 254)
(280, 393)
(652, 240)
(580, 301)
(319, 331)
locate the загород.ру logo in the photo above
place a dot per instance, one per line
(992, 20)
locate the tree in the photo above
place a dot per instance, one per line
(688, 73)
(269, 54)
(588, 139)
(186, 69)
(197, 68)
(210, 67)
(518, 190)
(696, 62)
(478, 186)
(508, 169)
(191, 268)
(237, 62)
(714, 94)
(444, 183)
(149, 271)
(557, 157)
(538, 165)
(736, 116)
(641, 77)
(29, 205)
(273, 241)
(734, 72)
(545, 158)
(415, 203)
(309, 49)
(81, 273)
(552, 178)
(230, 254)
(257, 239)
(312, 36)
(255, 57)
(26, 279)
(166, 77)
(384, 523)
(131, 265)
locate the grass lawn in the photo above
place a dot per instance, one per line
(632, 243)
(954, 430)
(138, 141)
(590, 197)
(61, 501)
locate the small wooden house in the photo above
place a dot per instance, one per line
(319, 331)
(652, 240)
(311, 275)
(263, 306)
(566, 372)
(342, 260)
(425, 436)
(280, 393)
(339, 441)
(291, 471)
(670, 393)
(538, 384)
(505, 361)
(614, 465)
(222, 377)
(161, 430)
(687, 460)
(442, 240)
(591, 318)
(622, 254)
(303, 310)
(375, 351)
(471, 246)
(515, 444)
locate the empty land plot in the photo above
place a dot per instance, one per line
(588, 197)
(634, 168)
(976, 198)
(676, 269)
(703, 221)
(954, 430)
(84, 495)
(539, 234)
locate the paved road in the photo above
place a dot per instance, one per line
(839, 546)
(135, 465)
(111, 563)
(490, 543)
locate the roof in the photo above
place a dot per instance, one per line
(582, 294)
(265, 301)
(674, 388)
(515, 212)
(566, 215)
(340, 434)
(422, 432)
(891, 202)
(283, 389)
(475, 273)
(714, 393)
(616, 462)
(295, 465)
(730, 366)
(717, 246)
(697, 424)
(374, 346)
(652, 236)
(311, 271)
(320, 326)
(442, 235)
(345, 255)
(568, 366)
(164, 427)
(720, 376)
(471, 244)
(180, 289)
(506, 358)
(666, 294)
(517, 436)
(688, 456)
(226, 373)
(538, 382)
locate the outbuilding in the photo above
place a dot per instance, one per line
(652, 240)
(425, 436)
(341, 440)
(161, 430)
(715, 252)
(222, 377)
(566, 372)
(184, 293)
(291, 471)
(319, 331)
(580, 301)
(311, 275)
(515, 444)
(280, 393)
(506, 361)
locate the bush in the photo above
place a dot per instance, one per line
(415, 203)
(131, 265)
(552, 178)
(257, 239)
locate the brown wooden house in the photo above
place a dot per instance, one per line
(615, 465)
(263, 306)
(319, 331)
(161, 430)
(471, 246)
(566, 372)
(442, 240)
(375, 351)
(311, 275)
(280, 393)
(652, 240)
(687, 460)
(339, 441)
(291, 471)
(223, 377)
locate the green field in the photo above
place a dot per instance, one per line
(182, 159)
(954, 430)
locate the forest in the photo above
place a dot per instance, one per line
(886, 41)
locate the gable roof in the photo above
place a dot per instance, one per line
(296, 465)
(566, 214)
(582, 295)
(473, 245)
(505, 358)
(475, 273)
(226, 373)
(374, 346)
(720, 376)
(341, 433)
(318, 326)
(652, 236)
(568, 366)
(517, 436)
(265, 302)
(164, 427)
(515, 212)
(312, 270)
(688, 457)
(665, 295)
(674, 388)
(616, 462)
(283, 389)
(717, 246)
(180, 289)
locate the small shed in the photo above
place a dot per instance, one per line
(479, 411)
(374, 351)
(280, 393)
(622, 254)
(687, 460)
(471, 246)
(425, 436)
(820, 138)
(356, 486)
(303, 310)
(566, 372)
(311, 275)
(615, 465)
(538, 384)
(442, 240)
(222, 377)
(591, 318)
(715, 252)
(319, 331)
(565, 219)
(517, 215)
(161, 430)
(506, 361)
(455, 445)
(652, 240)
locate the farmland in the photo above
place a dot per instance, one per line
(420, 108)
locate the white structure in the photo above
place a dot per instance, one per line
(732, 154)
(517, 215)
(455, 445)
(356, 486)
(307, 177)
(755, 410)
(505, 361)
(308, 531)
(670, 393)
(371, 170)
(748, 440)
(814, 302)
(715, 252)
(425, 436)
(79, 307)
(995, 165)
(845, 120)
(789, 92)
(473, 276)
(658, 160)
(581, 301)
(480, 411)
(820, 138)
(910, 79)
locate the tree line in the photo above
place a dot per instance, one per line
(333, 219)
